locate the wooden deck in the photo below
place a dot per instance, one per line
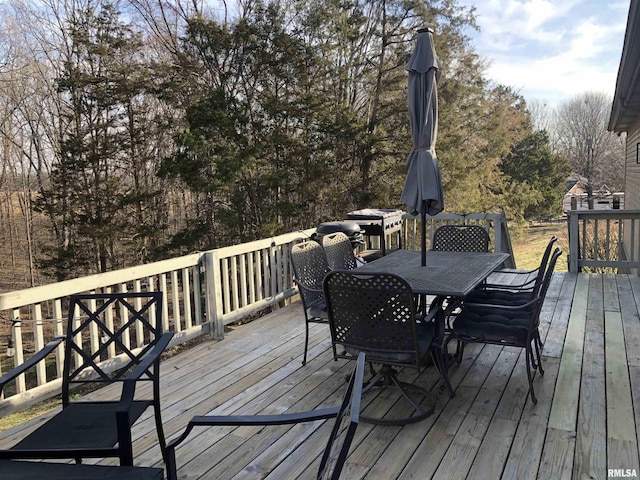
(586, 420)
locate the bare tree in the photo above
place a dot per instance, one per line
(581, 135)
(541, 114)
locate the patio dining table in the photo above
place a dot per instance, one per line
(446, 274)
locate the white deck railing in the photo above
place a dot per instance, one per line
(604, 239)
(203, 292)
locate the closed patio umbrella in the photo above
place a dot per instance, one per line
(422, 190)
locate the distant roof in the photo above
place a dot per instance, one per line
(575, 177)
(626, 101)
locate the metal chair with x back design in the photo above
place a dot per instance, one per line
(126, 329)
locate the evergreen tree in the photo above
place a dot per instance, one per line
(539, 175)
(96, 193)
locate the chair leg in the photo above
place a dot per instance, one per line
(160, 430)
(529, 355)
(539, 357)
(440, 360)
(385, 378)
(539, 345)
(306, 342)
(459, 351)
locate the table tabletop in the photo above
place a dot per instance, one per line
(453, 274)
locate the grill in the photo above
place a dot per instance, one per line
(350, 229)
(379, 223)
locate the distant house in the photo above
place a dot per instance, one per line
(625, 114)
(576, 197)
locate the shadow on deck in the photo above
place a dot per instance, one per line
(585, 423)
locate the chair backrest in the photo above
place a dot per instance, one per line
(460, 238)
(339, 251)
(374, 313)
(544, 287)
(344, 428)
(102, 326)
(544, 263)
(309, 268)
(549, 272)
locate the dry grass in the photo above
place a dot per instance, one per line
(529, 247)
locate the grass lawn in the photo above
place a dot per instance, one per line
(529, 247)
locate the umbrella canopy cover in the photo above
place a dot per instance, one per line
(423, 187)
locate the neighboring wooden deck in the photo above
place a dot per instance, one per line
(585, 423)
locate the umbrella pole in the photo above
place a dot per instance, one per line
(423, 213)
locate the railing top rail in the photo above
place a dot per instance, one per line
(42, 293)
(458, 216)
(614, 214)
(264, 243)
(19, 298)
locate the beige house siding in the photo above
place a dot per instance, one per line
(632, 184)
(632, 177)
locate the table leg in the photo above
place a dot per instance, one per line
(442, 355)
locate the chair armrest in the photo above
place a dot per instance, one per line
(33, 360)
(129, 387)
(506, 287)
(514, 271)
(517, 286)
(506, 308)
(242, 420)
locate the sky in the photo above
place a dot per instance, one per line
(550, 51)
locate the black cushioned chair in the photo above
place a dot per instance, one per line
(460, 238)
(514, 293)
(339, 251)
(99, 324)
(519, 293)
(515, 325)
(309, 268)
(337, 447)
(376, 313)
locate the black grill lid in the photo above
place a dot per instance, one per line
(348, 228)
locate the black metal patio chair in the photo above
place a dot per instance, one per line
(460, 238)
(376, 313)
(99, 326)
(518, 293)
(515, 293)
(339, 251)
(509, 325)
(337, 448)
(309, 268)
(28, 470)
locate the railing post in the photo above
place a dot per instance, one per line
(213, 295)
(574, 241)
(497, 234)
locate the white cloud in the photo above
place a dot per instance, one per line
(552, 50)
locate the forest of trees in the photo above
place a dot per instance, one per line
(135, 130)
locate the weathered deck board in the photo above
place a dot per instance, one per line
(587, 418)
(590, 455)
